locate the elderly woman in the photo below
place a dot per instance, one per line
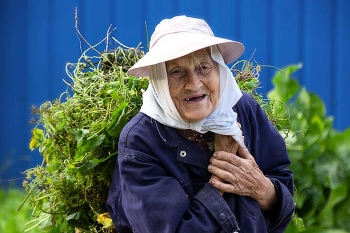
(177, 168)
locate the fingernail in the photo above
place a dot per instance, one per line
(210, 166)
(215, 154)
(212, 182)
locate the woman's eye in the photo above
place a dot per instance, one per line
(177, 73)
(204, 69)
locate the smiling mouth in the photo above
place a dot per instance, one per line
(195, 99)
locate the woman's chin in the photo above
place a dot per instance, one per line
(195, 116)
(196, 111)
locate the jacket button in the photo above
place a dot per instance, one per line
(222, 215)
(183, 153)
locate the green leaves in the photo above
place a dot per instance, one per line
(310, 104)
(336, 196)
(285, 87)
(37, 137)
(119, 119)
(319, 156)
(88, 146)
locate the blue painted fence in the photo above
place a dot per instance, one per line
(38, 37)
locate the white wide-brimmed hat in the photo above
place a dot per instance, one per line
(179, 36)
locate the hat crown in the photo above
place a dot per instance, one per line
(179, 24)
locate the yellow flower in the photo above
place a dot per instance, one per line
(105, 220)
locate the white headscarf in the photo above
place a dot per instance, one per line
(158, 104)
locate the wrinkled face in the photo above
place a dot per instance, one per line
(194, 84)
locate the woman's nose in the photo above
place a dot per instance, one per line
(194, 80)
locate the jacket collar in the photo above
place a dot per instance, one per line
(187, 152)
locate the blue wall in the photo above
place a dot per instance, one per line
(38, 37)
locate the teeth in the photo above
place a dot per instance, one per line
(187, 99)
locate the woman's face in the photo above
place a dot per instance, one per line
(194, 84)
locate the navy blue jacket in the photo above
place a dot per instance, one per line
(161, 179)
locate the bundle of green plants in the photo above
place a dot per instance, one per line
(77, 135)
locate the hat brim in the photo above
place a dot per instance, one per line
(180, 44)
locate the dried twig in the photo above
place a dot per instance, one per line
(81, 36)
(107, 36)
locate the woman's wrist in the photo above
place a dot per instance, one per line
(268, 197)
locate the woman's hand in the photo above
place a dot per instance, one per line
(241, 175)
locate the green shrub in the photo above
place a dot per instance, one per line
(319, 155)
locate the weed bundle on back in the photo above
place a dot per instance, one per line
(77, 134)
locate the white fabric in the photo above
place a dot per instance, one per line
(158, 104)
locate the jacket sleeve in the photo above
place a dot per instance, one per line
(153, 201)
(269, 150)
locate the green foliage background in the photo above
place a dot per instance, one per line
(12, 220)
(320, 157)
